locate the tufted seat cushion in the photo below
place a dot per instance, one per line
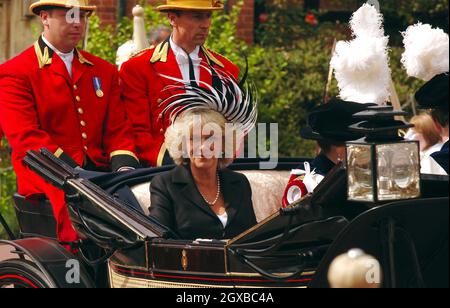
(267, 189)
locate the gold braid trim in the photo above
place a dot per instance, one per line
(160, 159)
(59, 152)
(82, 59)
(161, 53)
(211, 58)
(43, 58)
(121, 152)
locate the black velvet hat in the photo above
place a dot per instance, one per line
(331, 121)
(433, 94)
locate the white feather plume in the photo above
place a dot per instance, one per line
(362, 64)
(366, 21)
(426, 51)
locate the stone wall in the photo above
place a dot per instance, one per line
(18, 29)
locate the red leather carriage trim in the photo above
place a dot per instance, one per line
(196, 278)
(19, 278)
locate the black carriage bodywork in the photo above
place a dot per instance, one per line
(291, 248)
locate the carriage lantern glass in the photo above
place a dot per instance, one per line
(382, 166)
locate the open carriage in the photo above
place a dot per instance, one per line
(292, 247)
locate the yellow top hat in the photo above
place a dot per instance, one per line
(81, 4)
(192, 5)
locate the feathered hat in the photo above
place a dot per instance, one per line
(426, 57)
(362, 65)
(236, 102)
(363, 75)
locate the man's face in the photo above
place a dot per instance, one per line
(191, 26)
(64, 28)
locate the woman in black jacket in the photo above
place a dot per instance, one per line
(201, 198)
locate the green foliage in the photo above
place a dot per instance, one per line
(290, 64)
(103, 41)
(7, 189)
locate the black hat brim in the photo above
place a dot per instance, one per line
(308, 134)
(434, 93)
(331, 121)
(330, 136)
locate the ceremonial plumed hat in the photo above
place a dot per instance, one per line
(426, 57)
(363, 76)
(434, 94)
(330, 122)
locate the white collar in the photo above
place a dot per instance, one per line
(179, 51)
(59, 53)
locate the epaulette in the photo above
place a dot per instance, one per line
(140, 52)
(211, 58)
(161, 52)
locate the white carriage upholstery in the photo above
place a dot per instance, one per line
(267, 188)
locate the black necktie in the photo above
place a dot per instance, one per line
(191, 72)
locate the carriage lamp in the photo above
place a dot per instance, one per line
(382, 166)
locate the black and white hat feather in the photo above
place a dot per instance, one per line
(236, 102)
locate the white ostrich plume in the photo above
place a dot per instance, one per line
(367, 21)
(362, 64)
(426, 51)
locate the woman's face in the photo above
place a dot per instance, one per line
(205, 151)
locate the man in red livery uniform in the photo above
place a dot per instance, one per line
(56, 97)
(182, 56)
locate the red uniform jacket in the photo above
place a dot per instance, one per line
(81, 119)
(141, 88)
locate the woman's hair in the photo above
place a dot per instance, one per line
(424, 124)
(182, 130)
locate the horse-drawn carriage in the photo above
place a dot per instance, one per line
(122, 247)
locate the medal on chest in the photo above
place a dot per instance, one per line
(98, 87)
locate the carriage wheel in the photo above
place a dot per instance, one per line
(21, 274)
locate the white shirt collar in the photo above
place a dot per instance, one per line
(183, 61)
(61, 54)
(179, 51)
(66, 57)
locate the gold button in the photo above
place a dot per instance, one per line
(80, 110)
(83, 123)
(84, 135)
(160, 100)
(75, 87)
(161, 131)
(85, 148)
(78, 99)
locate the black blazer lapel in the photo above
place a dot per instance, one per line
(182, 176)
(233, 193)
